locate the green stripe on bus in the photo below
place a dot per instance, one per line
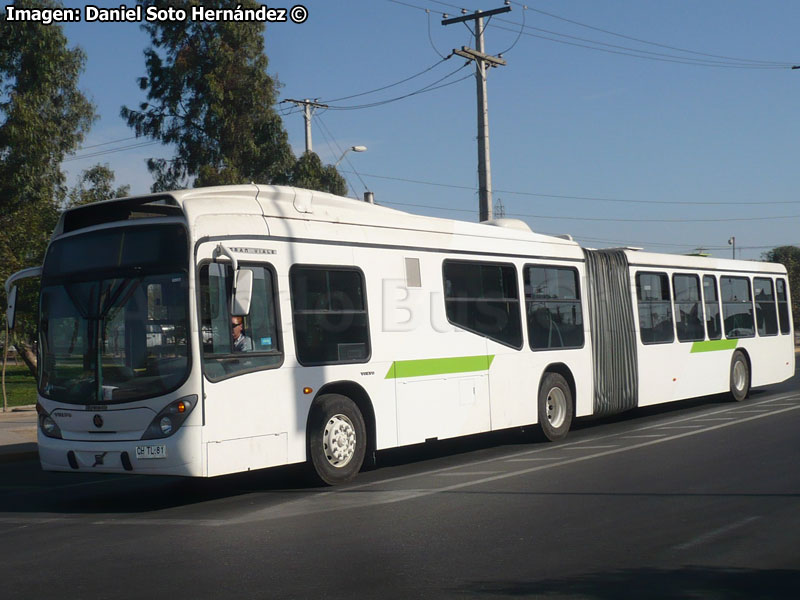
(714, 345)
(401, 369)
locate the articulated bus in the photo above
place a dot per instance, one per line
(212, 331)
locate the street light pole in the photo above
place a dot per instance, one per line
(351, 148)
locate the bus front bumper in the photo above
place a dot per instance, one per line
(179, 454)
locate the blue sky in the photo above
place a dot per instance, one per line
(697, 152)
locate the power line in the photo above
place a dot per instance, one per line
(111, 151)
(729, 62)
(589, 198)
(428, 88)
(612, 220)
(327, 131)
(643, 54)
(133, 137)
(386, 87)
(642, 41)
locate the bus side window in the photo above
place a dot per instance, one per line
(553, 307)
(655, 308)
(483, 298)
(737, 307)
(711, 298)
(783, 307)
(766, 313)
(329, 309)
(688, 310)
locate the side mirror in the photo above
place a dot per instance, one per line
(242, 293)
(12, 301)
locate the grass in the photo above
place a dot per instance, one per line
(20, 385)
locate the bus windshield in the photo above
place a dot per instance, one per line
(113, 315)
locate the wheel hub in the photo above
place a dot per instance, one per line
(739, 376)
(556, 407)
(339, 440)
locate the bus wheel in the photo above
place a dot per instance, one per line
(740, 377)
(337, 439)
(555, 406)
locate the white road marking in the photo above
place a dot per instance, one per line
(463, 473)
(708, 536)
(592, 447)
(354, 496)
(347, 499)
(533, 458)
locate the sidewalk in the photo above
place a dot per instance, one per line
(18, 434)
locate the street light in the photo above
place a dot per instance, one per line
(354, 149)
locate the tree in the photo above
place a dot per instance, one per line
(209, 94)
(789, 256)
(43, 117)
(309, 172)
(95, 185)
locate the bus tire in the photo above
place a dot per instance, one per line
(555, 406)
(337, 439)
(740, 377)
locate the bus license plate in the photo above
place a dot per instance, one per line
(143, 452)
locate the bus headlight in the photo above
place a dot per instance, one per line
(166, 425)
(46, 423)
(169, 420)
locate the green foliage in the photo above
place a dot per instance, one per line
(789, 256)
(309, 172)
(43, 117)
(95, 185)
(20, 384)
(209, 94)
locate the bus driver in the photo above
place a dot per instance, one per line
(241, 342)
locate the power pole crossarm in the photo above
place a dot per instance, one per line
(482, 62)
(308, 106)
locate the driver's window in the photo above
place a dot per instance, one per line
(233, 345)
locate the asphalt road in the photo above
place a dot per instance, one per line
(699, 499)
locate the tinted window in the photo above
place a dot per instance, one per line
(330, 315)
(655, 308)
(783, 306)
(713, 326)
(553, 307)
(252, 344)
(737, 307)
(483, 298)
(157, 247)
(688, 309)
(766, 311)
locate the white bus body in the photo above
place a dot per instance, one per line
(368, 328)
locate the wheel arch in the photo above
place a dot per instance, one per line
(360, 397)
(563, 370)
(749, 361)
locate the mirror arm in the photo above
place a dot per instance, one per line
(221, 250)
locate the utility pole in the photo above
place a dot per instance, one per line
(307, 105)
(732, 242)
(482, 63)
